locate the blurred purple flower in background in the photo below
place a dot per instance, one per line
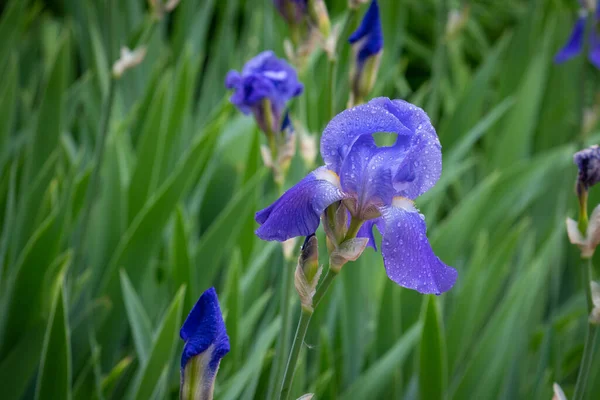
(293, 11)
(367, 43)
(588, 163)
(574, 45)
(206, 342)
(377, 186)
(263, 88)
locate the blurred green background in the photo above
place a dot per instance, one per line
(98, 270)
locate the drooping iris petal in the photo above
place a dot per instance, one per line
(407, 255)
(369, 36)
(575, 43)
(346, 127)
(297, 212)
(206, 342)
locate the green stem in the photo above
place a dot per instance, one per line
(286, 320)
(590, 337)
(290, 369)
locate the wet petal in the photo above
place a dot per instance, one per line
(415, 160)
(421, 168)
(575, 43)
(407, 255)
(297, 211)
(204, 327)
(366, 174)
(363, 120)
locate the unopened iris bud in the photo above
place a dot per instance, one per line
(263, 89)
(308, 272)
(588, 162)
(320, 17)
(457, 20)
(206, 342)
(348, 250)
(367, 44)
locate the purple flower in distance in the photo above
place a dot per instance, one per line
(574, 45)
(293, 11)
(367, 43)
(377, 185)
(265, 81)
(206, 342)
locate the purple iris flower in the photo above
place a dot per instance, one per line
(574, 45)
(377, 185)
(293, 11)
(206, 342)
(265, 77)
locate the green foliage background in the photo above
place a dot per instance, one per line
(92, 310)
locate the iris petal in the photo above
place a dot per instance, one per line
(366, 172)
(575, 43)
(407, 255)
(363, 120)
(297, 212)
(366, 231)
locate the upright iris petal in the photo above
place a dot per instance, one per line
(263, 88)
(367, 42)
(206, 342)
(376, 185)
(574, 45)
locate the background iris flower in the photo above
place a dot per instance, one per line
(574, 45)
(377, 185)
(263, 88)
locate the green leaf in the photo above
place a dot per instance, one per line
(372, 381)
(54, 377)
(138, 319)
(433, 368)
(161, 354)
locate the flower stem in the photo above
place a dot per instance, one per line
(590, 337)
(290, 369)
(286, 321)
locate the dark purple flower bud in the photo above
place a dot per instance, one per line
(263, 88)
(376, 185)
(588, 162)
(206, 342)
(367, 43)
(293, 11)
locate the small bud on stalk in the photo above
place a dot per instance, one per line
(128, 60)
(308, 272)
(595, 314)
